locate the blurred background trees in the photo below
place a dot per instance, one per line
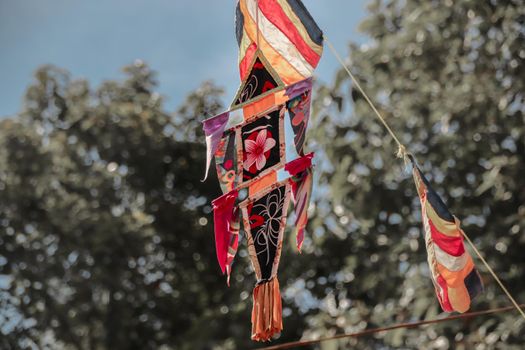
(106, 237)
(449, 76)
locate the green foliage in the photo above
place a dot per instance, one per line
(449, 78)
(106, 237)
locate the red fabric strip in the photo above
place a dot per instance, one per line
(451, 245)
(244, 65)
(300, 164)
(223, 216)
(443, 299)
(275, 14)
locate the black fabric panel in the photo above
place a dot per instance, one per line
(230, 149)
(259, 81)
(312, 28)
(295, 110)
(474, 284)
(265, 224)
(270, 122)
(229, 161)
(436, 201)
(239, 23)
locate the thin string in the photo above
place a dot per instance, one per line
(402, 153)
(389, 328)
(494, 275)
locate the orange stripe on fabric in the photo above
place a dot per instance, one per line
(455, 278)
(286, 71)
(281, 97)
(278, 41)
(262, 183)
(259, 106)
(275, 14)
(459, 298)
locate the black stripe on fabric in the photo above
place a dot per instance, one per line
(473, 284)
(435, 200)
(239, 23)
(312, 28)
(266, 239)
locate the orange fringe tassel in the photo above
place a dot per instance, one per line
(267, 314)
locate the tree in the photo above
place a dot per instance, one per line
(106, 237)
(448, 76)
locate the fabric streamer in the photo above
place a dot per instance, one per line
(258, 146)
(213, 129)
(452, 269)
(225, 217)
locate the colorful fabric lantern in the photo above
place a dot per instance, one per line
(258, 146)
(453, 273)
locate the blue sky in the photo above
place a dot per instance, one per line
(185, 41)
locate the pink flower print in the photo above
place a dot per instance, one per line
(298, 118)
(256, 149)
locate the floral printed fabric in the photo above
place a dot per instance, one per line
(299, 112)
(264, 222)
(260, 145)
(261, 167)
(257, 83)
(247, 157)
(259, 156)
(258, 150)
(226, 160)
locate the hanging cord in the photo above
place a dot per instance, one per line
(402, 153)
(401, 149)
(494, 275)
(389, 328)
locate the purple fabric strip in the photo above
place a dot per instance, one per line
(213, 128)
(299, 88)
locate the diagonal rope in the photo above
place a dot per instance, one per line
(402, 153)
(389, 328)
(494, 275)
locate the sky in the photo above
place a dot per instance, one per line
(185, 41)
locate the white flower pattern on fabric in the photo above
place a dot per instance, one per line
(267, 235)
(255, 150)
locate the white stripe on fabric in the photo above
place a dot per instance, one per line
(245, 43)
(290, 150)
(279, 41)
(452, 263)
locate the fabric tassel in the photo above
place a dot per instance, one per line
(267, 316)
